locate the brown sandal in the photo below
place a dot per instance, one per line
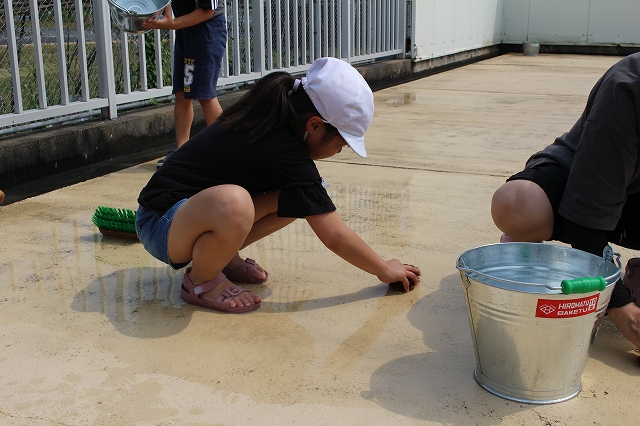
(244, 273)
(191, 294)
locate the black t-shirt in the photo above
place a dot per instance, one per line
(183, 7)
(277, 161)
(601, 150)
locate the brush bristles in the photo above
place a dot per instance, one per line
(122, 220)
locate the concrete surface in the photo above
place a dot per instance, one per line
(93, 330)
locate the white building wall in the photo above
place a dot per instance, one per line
(444, 27)
(578, 22)
(619, 24)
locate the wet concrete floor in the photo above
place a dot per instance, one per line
(93, 330)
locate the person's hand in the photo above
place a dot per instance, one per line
(164, 23)
(399, 272)
(627, 320)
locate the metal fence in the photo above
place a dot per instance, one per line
(64, 58)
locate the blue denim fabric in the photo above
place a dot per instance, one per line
(153, 231)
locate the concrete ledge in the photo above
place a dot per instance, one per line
(33, 155)
(393, 72)
(36, 154)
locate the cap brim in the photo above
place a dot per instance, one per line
(355, 142)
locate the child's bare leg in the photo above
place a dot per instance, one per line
(266, 218)
(183, 117)
(211, 110)
(208, 229)
(266, 223)
(522, 210)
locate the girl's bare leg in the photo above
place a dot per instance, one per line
(266, 223)
(266, 218)
(209, 229)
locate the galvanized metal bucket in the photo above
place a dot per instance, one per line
(531, 340)
(531, 48)
(129, 14)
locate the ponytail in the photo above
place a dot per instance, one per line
(273, 103)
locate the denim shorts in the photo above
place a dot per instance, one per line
(153, 231)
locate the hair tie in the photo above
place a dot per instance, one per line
(294, 88)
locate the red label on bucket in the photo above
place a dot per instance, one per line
(567, 308)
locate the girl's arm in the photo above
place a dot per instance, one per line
(169, 23)
(341, 240)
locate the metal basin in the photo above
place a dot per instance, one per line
(129, 14)
(531, 48)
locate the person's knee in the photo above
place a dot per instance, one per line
(521, 209)
(236, 205)
(504, 205)
(182, 102)
(211, 109)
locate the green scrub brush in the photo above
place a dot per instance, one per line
(114, 222)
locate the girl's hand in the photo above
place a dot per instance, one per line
(400, 273)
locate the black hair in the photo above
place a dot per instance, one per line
(270, 105)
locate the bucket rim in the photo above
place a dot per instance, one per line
(140, 15)
(609, 256)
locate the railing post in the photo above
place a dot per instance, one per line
(105, 58)
(37, 50)
(62, 64)
(317, 29)
(13, 57)
(346, 30)
(257, 7)
(402, 28)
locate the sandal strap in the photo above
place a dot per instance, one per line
(233, 290)
(208, 285)
(245, 266)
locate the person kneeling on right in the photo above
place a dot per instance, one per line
(584, 189)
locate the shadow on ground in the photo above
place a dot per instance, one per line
(139, 302)
(438, 386)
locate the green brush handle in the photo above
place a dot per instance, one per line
(583, 285)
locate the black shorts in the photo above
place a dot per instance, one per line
(552, 178)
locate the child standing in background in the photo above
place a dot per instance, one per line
(201, 38)
(584, 189)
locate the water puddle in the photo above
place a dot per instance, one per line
(66, 263)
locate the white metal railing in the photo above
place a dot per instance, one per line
(62, 58)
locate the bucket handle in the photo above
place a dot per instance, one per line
(611, 256)
(462, 267)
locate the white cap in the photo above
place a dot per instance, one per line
(342, 97)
